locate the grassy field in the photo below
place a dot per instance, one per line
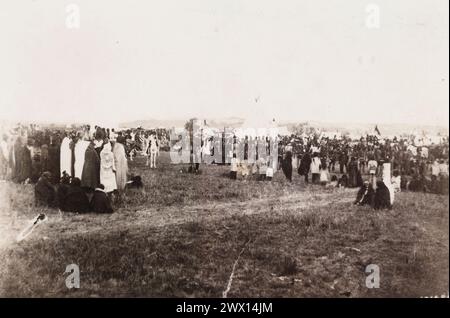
(181, 235)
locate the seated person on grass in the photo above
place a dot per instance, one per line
(76, 199)
(44, 192)
(382, 197)
(365, 195)
(100, 201)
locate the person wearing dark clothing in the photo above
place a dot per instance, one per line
(343, 181)
(76, 199)
(26, 164)
(36, 166)
(433, 185)
(333, 160)
(287, 166)
(72, 155)
(44, 192)
(382, 197)
(359, 179)
(44, 158)
(98, 149)
(416, 184)
(90, 177)
(17, 159)
(100, 133)
(100, 201)
(54, 161)
(353, 173)
(305, 164)
(246, 148)
(365, 195)
(343, 159)
(62, 190)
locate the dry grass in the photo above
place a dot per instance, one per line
(181, 235)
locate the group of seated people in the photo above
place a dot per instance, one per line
(437, 184)
(70, 196)
(419, 183)
(381, 196)
(378, 198)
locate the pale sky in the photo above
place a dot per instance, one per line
(302, 60)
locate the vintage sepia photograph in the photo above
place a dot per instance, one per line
(224, 149)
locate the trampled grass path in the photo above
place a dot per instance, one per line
(69, 224)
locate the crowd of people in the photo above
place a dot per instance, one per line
(148, 141)
(75, 170)
(79, 170)
(343, 162)
(414, 166)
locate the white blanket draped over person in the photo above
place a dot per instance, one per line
(315, 165)
(80, 151)
(120, 161)
(65, 156)
(386, 173)
(107, 168)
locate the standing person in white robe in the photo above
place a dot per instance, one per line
(153, 150)
(65, 156)
(120, 161)
(107, 168)
(80, 151)
(388, 181)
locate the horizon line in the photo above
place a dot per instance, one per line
(282, 121)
